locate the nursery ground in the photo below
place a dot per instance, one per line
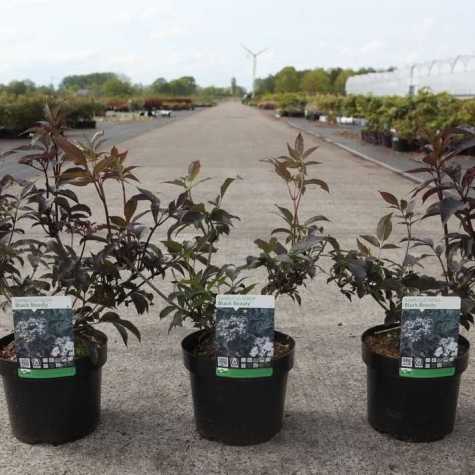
(147, 423)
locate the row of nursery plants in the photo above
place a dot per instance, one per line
(18, 113)
(119, 256)
(136, 104)
(286, 103)
(405, 124)
(392, 120)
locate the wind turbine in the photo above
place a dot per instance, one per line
(254, 65)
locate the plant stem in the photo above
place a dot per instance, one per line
(444, 225)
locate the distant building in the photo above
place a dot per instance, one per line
(83, 92)
(455, 76)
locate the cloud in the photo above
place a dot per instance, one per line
(7, 31)
(372, 47)
(146, 39)
(428, 24)
(24, 4)
(167, 34)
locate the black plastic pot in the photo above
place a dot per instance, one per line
(370, 137)
(312, 115)
(237, 411)
(82, 124)
(10, 134)
(387, 139)
(413, 410)
(54, 411)
(403, 145)
(379, 137)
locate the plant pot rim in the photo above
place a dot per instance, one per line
(8, 365)
(391, 364)
(198, 363)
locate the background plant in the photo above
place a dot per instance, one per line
(19, 113)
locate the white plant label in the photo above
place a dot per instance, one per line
(244, 336)
(44, 340)
(429, 336)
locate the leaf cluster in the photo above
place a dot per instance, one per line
(196, 276)
(290, 257)
(103, 258)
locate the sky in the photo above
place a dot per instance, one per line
(45, 40)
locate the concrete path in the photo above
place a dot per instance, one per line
(147, 424)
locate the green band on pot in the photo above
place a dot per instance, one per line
(47, 373)
(244, 373)
(426, 373)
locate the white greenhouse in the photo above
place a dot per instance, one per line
(455, 76)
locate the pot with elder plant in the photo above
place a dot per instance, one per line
(387, 139)
(239, 411)
(420, 409)
(79, 254)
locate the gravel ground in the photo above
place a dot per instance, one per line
(147, 424)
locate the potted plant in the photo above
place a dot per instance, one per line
(238, 411)
(418, 410)
(100, 259)
(372, 111)
(404, 138)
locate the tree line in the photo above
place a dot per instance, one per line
(309, 81)
(109, 84)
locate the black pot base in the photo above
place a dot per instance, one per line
(54, 411)
(237, 411)
(408, 438)
(411, 410)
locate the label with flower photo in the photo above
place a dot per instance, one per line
(429, 336)
(244, 336)
(44, 341)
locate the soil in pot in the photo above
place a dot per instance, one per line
(415, 410)
(57, 410)
(236, 411)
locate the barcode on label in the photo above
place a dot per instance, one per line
(223, 362)
(406, 362)
(25, 363)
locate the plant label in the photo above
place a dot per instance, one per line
(44, 341)
(244, 336)
(429, 336)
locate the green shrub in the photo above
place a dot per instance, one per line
(267, 105)
(434, 112)
(468, 111)
(21, 112)
(78, 109)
